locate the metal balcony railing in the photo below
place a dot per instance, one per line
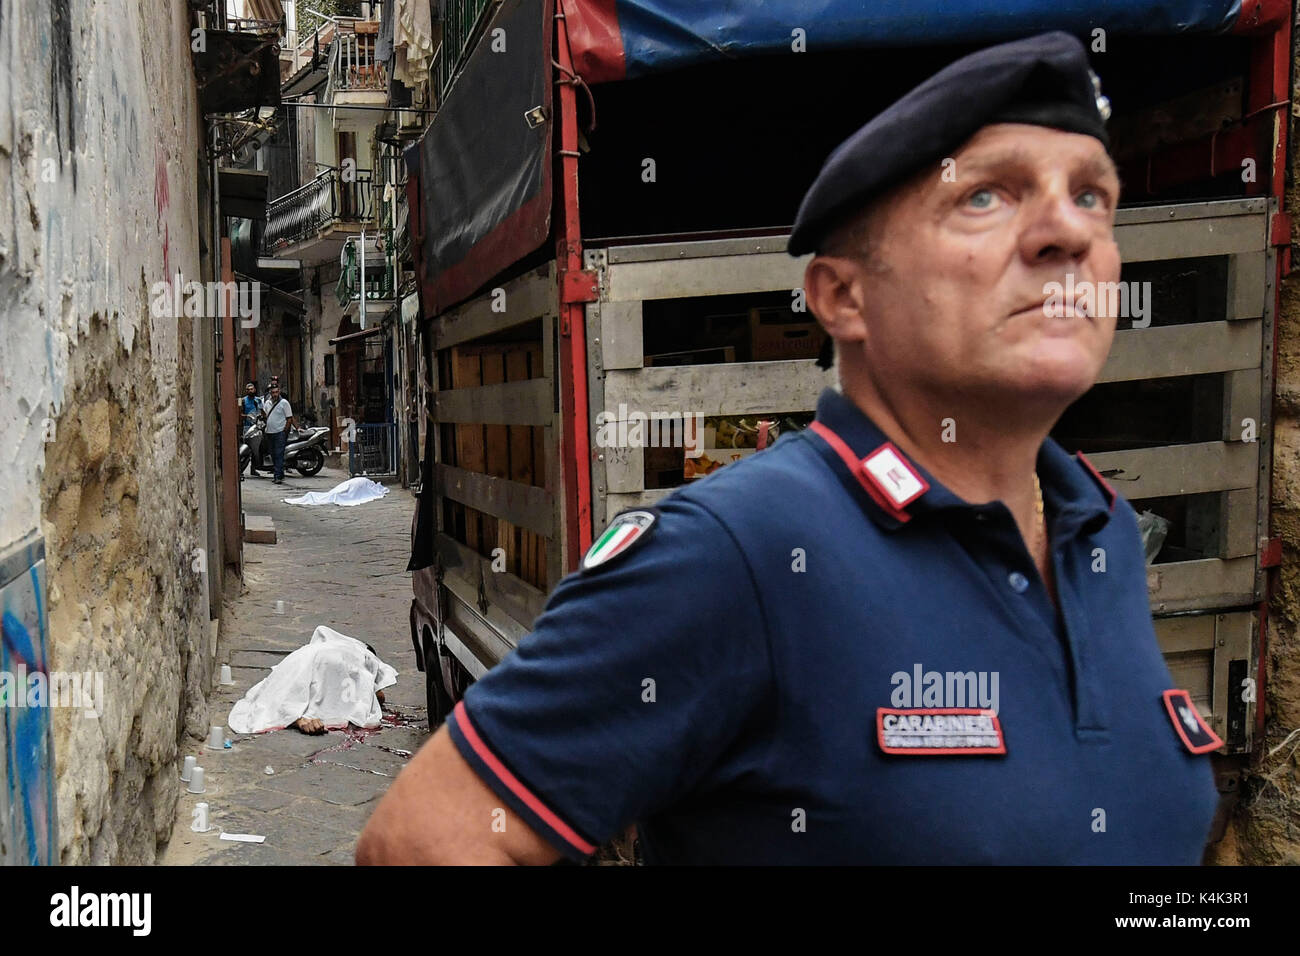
(461, 24)
(307, 210)
(380, 284)
(353, 65)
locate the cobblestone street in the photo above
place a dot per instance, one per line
(344, 568)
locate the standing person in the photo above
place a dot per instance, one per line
(279, 419)
(251, 409)
(921, 663)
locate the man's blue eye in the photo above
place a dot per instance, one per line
(981, 199)
(1088, 199)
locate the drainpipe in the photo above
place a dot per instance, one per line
(363, 278)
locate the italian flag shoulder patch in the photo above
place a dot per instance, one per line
(626, 530)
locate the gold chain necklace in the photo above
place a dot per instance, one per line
(1040, 522)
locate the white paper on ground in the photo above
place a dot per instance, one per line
(333, 678)
(354, 491)
(243, 837)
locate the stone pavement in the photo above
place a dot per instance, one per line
(345, 568)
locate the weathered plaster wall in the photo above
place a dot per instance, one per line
(322, 317)
(99, 154)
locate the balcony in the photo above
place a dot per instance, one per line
(463, 22)
(314, 221)
(356, 78)
(380, 281)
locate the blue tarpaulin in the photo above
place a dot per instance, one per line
(617, 39)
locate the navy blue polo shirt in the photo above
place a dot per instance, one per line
(819, 654)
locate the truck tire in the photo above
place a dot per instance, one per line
(437, 699)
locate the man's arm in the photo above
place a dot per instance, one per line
(561, 741)
(439, 812)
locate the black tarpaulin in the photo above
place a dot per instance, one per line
(483, 168)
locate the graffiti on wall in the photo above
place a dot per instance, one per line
(27, 808)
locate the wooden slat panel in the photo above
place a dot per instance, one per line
(1189, 632)
(715, 275)
(511, 403)
(520, 600)
(1242, 400)
(1247, 288)
(1180, 469)
(1241, 524)
(621, 334)
(486, 644)
(1201, 585)
(1187, 238)
(521, 505)
(614, 503)
(1182, 350)
(535, 546)
(1193, 672)
(741, 388)
(495, 434)
(496, 451)
(467, 372)
(685, 269)
(521, 460)
(624, 469)
(527, 297)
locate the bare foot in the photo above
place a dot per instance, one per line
(309, 725)
(380, 695)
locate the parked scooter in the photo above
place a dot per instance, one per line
(304, 451)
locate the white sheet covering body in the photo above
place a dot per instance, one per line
(333, 678)
(354, 491)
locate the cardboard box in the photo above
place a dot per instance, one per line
(714, 458)
(711, 356)
(783, 336)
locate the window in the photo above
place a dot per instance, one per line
(329, 369)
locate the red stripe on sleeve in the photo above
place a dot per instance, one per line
(518, 789)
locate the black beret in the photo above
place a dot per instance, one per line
(1043, 80)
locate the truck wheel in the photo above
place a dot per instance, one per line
(436, 698)
(310, 462)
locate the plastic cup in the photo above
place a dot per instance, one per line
(217, 738)
(226, 677)
(196, 781)
(188, 768)
(200, 824)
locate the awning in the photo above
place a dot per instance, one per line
(354, 336)
(243, 192)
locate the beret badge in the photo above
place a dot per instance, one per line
(1103, 103)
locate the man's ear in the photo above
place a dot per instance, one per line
(833, 288)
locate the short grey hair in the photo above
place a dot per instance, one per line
(852, 237)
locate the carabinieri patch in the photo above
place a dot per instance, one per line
(626, 530)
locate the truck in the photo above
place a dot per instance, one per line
(600, 209)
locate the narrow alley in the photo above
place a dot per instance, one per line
(343, 567)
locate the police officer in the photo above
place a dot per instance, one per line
(917, 632)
